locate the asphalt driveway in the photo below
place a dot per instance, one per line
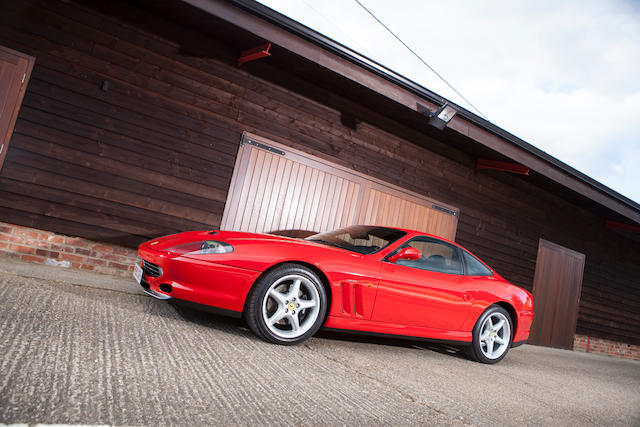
(82, 348)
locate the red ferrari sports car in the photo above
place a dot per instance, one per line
(363, 279)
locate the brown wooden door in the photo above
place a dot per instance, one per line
(556, 294)
(15, 69)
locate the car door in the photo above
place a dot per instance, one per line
(430, 292)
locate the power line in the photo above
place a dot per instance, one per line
(355, 43)
(418, 56)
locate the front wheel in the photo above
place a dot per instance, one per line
(492, 336)
(287, 305)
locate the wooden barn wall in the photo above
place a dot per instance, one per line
(153, 153)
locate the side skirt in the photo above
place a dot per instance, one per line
(401, 337)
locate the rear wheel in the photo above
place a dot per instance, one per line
(492, 336)
(287, 305)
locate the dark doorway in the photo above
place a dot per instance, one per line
(556, 294)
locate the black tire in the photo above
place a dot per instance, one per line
(479, 349)
(266, 301)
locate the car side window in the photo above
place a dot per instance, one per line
(474, 267)
(437, 256)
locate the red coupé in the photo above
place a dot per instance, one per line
(363, 279)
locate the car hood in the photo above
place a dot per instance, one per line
(232, 237)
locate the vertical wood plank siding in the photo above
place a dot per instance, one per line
(154, 152)
(383, 206)
(290, 190)
(275, 192)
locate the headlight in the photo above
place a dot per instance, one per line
(202, 248)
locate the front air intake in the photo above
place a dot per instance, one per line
(151, 269)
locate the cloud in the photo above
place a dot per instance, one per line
(564, 76)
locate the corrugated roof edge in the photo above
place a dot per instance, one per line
(329, 44)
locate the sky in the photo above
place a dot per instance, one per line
(562, 75)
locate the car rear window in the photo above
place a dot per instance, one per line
(362, 239)
(474, 267)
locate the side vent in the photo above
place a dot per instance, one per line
(351, 294)
(347, 299)
(357, 299)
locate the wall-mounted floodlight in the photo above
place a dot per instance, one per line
(442, 116)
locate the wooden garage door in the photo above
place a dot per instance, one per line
(557, 286)
(278, 188)
(384, 205)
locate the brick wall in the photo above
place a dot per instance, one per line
(607, 347)
(32, 245)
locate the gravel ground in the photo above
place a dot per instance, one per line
(81, 348)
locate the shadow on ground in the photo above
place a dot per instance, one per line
(203, 316)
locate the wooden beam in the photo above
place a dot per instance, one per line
(307, 49)
(541, 166)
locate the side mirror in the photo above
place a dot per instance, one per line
(408, 253)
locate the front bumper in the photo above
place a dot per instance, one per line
(146, 287)
(198, 281)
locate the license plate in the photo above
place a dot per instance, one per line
(137, 273)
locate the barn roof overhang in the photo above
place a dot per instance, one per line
(466, 128)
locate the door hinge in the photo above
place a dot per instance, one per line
(445, 210)
(24, 76)
(246, 140)
(1, 148)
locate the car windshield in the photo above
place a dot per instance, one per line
(362, 239)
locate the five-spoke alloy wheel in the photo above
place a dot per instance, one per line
(287, 305)
(491, 336)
